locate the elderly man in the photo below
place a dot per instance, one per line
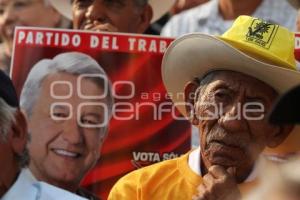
(129, 16)
(224, 85)
(24, 13)
(216, 16)
(68, 101)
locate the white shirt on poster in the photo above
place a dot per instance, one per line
(27, 187)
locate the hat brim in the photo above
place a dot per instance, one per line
(159, 7)
(194, 55)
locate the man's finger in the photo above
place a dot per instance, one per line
(232, 171)
(201, 189)
(203, 196)
(217, 171)
(208, 180)
(104, 27)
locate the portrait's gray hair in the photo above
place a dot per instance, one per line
(73, 63)
(7, 119)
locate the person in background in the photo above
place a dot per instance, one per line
(129, 16)
(216, 16)
(278, 181)
(24, 13)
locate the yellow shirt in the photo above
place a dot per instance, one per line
(167, 180)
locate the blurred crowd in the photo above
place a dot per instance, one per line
(184, 16)
(279, 177)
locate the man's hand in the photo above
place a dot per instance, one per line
(97, 26)
(219, 184)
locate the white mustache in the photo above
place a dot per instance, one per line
(218, 134)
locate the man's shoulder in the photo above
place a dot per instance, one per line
(87, 194)
(156, 173)
(164, 180)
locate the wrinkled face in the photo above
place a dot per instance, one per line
(109, 15)
(65, 143)
(232, 120)
(24, 13)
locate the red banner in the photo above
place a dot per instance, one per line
(151, 129)
(297, 46)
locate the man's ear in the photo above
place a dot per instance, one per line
(189, 98)
(18, 133)
(281, 133)
(145, 19)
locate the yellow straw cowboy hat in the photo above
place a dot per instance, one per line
(251, 46)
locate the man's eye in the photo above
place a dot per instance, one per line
(60, 115)
(20, 4)
(90, 120)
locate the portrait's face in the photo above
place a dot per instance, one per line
(110, 15)
(24, 13)
(232, 121)
(65, 137)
